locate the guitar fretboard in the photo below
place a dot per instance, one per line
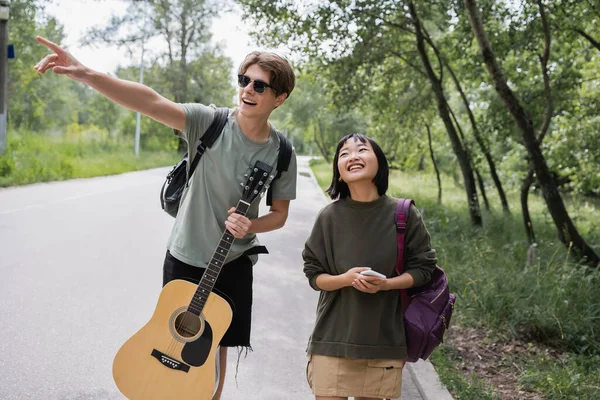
(207, 283)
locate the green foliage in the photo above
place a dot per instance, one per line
(323, 172)
(32, 159)
(363, 56)
(574, 377)
(309, 113)
(82, 152)
(58, 112)
(34, 102)
(184, 27)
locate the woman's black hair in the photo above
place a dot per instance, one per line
(339, 189)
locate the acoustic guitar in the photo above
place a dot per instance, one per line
(173, 356)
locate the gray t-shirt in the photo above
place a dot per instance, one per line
(215, 186)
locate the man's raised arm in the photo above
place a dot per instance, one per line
(131, 95)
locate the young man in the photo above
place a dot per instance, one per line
(265, 81)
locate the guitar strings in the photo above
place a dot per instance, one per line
(182, 325)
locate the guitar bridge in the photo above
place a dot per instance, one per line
(170, 362)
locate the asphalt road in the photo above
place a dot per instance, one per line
(81, 264)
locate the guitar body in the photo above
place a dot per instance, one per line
(173, 355)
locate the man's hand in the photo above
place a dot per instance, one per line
(368, 284)
(61, 62)
(237, 224)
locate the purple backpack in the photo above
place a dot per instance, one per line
(427, 309)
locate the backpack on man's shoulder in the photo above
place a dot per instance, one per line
(177, 179)
(427, 309)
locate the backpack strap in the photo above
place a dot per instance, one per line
(400, 218)
(283, 162)
(210, 135)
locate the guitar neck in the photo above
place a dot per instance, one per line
(207, 283)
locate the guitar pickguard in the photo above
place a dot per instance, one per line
(196, 352)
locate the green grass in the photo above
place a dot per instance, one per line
(554, 301)
(322, 171)
(462, 387)
(31, 158)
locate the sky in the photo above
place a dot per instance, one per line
(77, 16)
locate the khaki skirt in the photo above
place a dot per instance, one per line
(348, 377)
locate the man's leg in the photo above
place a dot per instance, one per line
(234, 284)
(222, 370)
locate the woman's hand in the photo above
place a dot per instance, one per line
(237, 224)
(352, 274)
(61, 62)
(368, 284)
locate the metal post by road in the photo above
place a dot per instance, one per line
(138, 121)
(3, 72)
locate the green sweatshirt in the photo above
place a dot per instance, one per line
(350, 234)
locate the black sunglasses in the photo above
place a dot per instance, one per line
(259, 86)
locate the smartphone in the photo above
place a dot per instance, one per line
(370, 272)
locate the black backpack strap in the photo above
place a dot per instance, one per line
(283, 162)
(210, 135)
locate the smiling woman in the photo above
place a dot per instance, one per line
(357, 159)
(353, 234)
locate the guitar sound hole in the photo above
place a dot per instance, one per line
(187, 324)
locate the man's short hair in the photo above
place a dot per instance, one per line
(283, 78)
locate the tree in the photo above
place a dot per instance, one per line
(567, 232)
(33, 103)
(183, 26)
(354, 42)
(309, 112)
(209, 84)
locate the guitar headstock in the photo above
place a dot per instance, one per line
(258, 181)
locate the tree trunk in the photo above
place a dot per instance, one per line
(436, 85)
(437, 172)
(481, 142)
(529, 179)
(567, 232)
(421, 163)
(467, 150)
(321, 143)
(482, 189)
(476, 133)
(526, 185)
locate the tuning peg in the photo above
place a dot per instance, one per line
(251, 178)
(241, 183)
(255, 169)
(245, 175)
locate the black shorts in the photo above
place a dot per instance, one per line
(234, 284)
